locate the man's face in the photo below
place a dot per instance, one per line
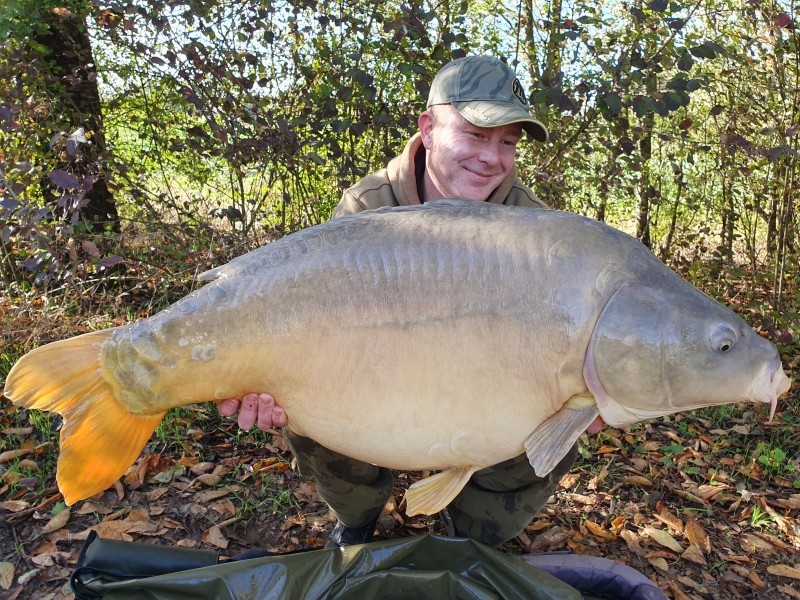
(464, 160)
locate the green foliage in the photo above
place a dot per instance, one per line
(25, 18)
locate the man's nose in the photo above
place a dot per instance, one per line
(490, 154)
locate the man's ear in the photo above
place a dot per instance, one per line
(427, 123)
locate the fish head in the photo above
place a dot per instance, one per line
(663, 346)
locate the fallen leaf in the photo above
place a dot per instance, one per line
(155, 494)
(659, 563)
(554, 537)
(538, 525)
(674, 523)
(756, 580)
(210, 495)
(208, 479)
(569, 480)
(695, 555)
(43, 560)
(110, 530)
(26, 577)
(57, 522)
(663, 538)
(784, 571)
(17, 430)
(599, 531)
(224, 507)
(697, 535)
(214, 537)
(6, 575)
(307, 492)
(597, 479)
(678, 593)
(119, 489)
(143, 527)
(633, 542)
(708, 492)
(661, 554)
(46, 548)
(584, 500)
(606, 450)
(186, 543)
(638, 480)
(91, 508)
(618, 523)
(138, 514)
(171, 524)
(752, 543)
(789, 591)
(14, 505)
(201, 468)
(12, 454)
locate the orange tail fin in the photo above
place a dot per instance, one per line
(100, 439)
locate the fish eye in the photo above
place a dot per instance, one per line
(722, 337)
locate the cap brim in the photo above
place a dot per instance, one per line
(496, 114)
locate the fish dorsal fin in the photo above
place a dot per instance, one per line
(551, 441)
(432, 494)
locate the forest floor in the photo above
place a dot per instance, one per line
(706, 504)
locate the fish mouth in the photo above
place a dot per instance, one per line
(771, 384)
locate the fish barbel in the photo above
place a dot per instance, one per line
(449, 336)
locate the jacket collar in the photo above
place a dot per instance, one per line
(403, 176)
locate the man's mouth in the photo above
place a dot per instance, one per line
(481, 175)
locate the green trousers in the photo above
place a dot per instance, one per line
(495, 506)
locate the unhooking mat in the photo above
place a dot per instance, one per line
(424, 567)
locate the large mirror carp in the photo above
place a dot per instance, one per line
(449, 336)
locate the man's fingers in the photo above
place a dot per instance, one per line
(279, 418)
(266, 403)
(249, 411)
(229, 407)
(596, 425)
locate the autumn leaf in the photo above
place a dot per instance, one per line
(638, 480)
(632, 540)
(14, 505)
(663, 538)
(698, 536)
(6, 575)
(57, 522)
(599, 531)
(695, 555)
(215, 537)
(784, 571)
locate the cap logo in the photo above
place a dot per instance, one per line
(516, 89)
(476, 114)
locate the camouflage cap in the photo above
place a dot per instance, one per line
(486, 92)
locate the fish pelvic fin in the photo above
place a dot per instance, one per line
(432, 494)
(551, 441)
(100, 439)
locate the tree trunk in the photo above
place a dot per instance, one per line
(71, 54)
(643, 212)
(552, 66)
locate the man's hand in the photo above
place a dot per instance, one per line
(596, 425)
(257, 409)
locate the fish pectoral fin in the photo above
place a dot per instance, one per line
(551, 441)
(100, 439)
(433, 493)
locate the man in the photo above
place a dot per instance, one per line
(466, 146)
